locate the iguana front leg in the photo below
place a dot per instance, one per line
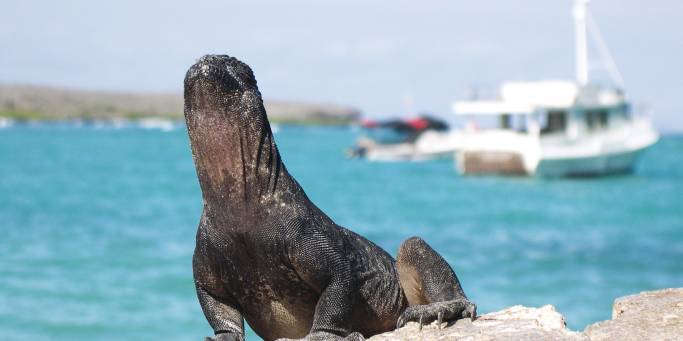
(226, 321)
(430, 285)
(221, 313)
(322, 264)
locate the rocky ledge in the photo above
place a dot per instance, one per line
(652, 315)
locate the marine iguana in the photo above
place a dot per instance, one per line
(266, 254)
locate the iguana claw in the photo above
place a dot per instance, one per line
(439, 311)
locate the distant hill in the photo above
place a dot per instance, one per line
(28, 102)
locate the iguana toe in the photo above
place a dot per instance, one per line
(470, 311)
(438, 311)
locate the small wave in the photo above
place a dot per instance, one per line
(6, 122)
(114, 124)
(157, 123)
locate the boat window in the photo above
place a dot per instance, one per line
(556, 121)
(520, 123)
(505, 121)
(621, 112)
(596, 119)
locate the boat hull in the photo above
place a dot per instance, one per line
(506, 153)
(600, 165)
(491, 163)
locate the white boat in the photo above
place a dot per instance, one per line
(429, 145)
(555, 128)
(417, 139)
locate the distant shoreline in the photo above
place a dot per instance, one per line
(27, 103)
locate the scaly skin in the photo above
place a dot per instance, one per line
(266, 254)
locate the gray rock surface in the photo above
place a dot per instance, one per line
(514, 323)
(651, 315)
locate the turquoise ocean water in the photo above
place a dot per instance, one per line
(97, 228)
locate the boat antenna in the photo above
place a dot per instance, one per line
(580, 35)
(584, 23)
(604, 52)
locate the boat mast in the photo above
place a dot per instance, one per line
(581, 41)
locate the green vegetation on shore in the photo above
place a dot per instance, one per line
(25, 115)
(22, 115)
(29, 103)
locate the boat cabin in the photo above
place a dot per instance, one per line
(553, 128)
(549, 108)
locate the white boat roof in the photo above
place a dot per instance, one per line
(491, 107)
(527, 97)
(555, 94)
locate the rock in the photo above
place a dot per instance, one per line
(650, 315)
(514, 323)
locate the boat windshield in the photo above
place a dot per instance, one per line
(514, 122)
(389, 136)
(554, 121)
(401, 131)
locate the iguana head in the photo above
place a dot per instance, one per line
(234, 152)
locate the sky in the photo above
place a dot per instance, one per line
(384, 57)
